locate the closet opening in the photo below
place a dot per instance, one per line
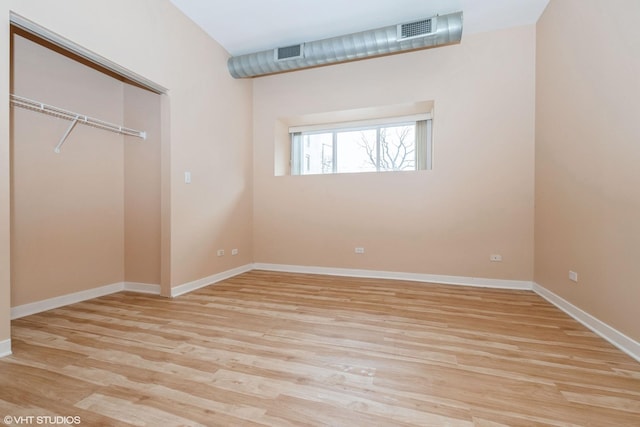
(86, 220)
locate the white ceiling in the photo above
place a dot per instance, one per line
(246, 26)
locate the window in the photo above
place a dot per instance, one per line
(399, 144)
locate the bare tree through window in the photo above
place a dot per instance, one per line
(375, 148)
(396, 150)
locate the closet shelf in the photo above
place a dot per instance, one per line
(75, 118)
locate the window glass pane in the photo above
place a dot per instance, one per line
(397, 148)
(391, 147)
(357, 151)
(317, 154)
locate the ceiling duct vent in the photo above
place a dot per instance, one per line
(422, 34)
(289, 52)
(416, 29)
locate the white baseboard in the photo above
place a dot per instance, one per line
(615, 337)
(142, 288)
(51, 303)
(206, 281)
(414, 277)
(146, 288)
(5, 348)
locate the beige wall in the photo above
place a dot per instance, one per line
(5, 202)
(587, 156)
(477, 200)
(209, 126)
(142, 190)
(67, 208)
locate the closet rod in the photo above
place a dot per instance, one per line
(75, 118)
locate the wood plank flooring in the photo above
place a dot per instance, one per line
(278, 349)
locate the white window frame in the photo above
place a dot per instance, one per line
(424, 147)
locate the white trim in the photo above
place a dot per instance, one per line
(146, 288)
(415, 277)
(66, 44)
(615, 337)
(210, 280)
(357, 124)
(5, 348)
(55, 302)
(51, 303)
(143, 288)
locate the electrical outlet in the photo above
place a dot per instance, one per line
(573, 276)
(220, 252)
(495, 258)
(234, 252)
(359, 250)
(187, 177)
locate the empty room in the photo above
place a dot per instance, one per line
(305, 213)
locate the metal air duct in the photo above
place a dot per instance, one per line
(422, 34)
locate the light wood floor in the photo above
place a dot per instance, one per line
(296, 350)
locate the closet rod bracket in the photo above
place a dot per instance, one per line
(60, 113)
(66, 135)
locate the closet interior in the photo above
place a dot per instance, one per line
(85, 175)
